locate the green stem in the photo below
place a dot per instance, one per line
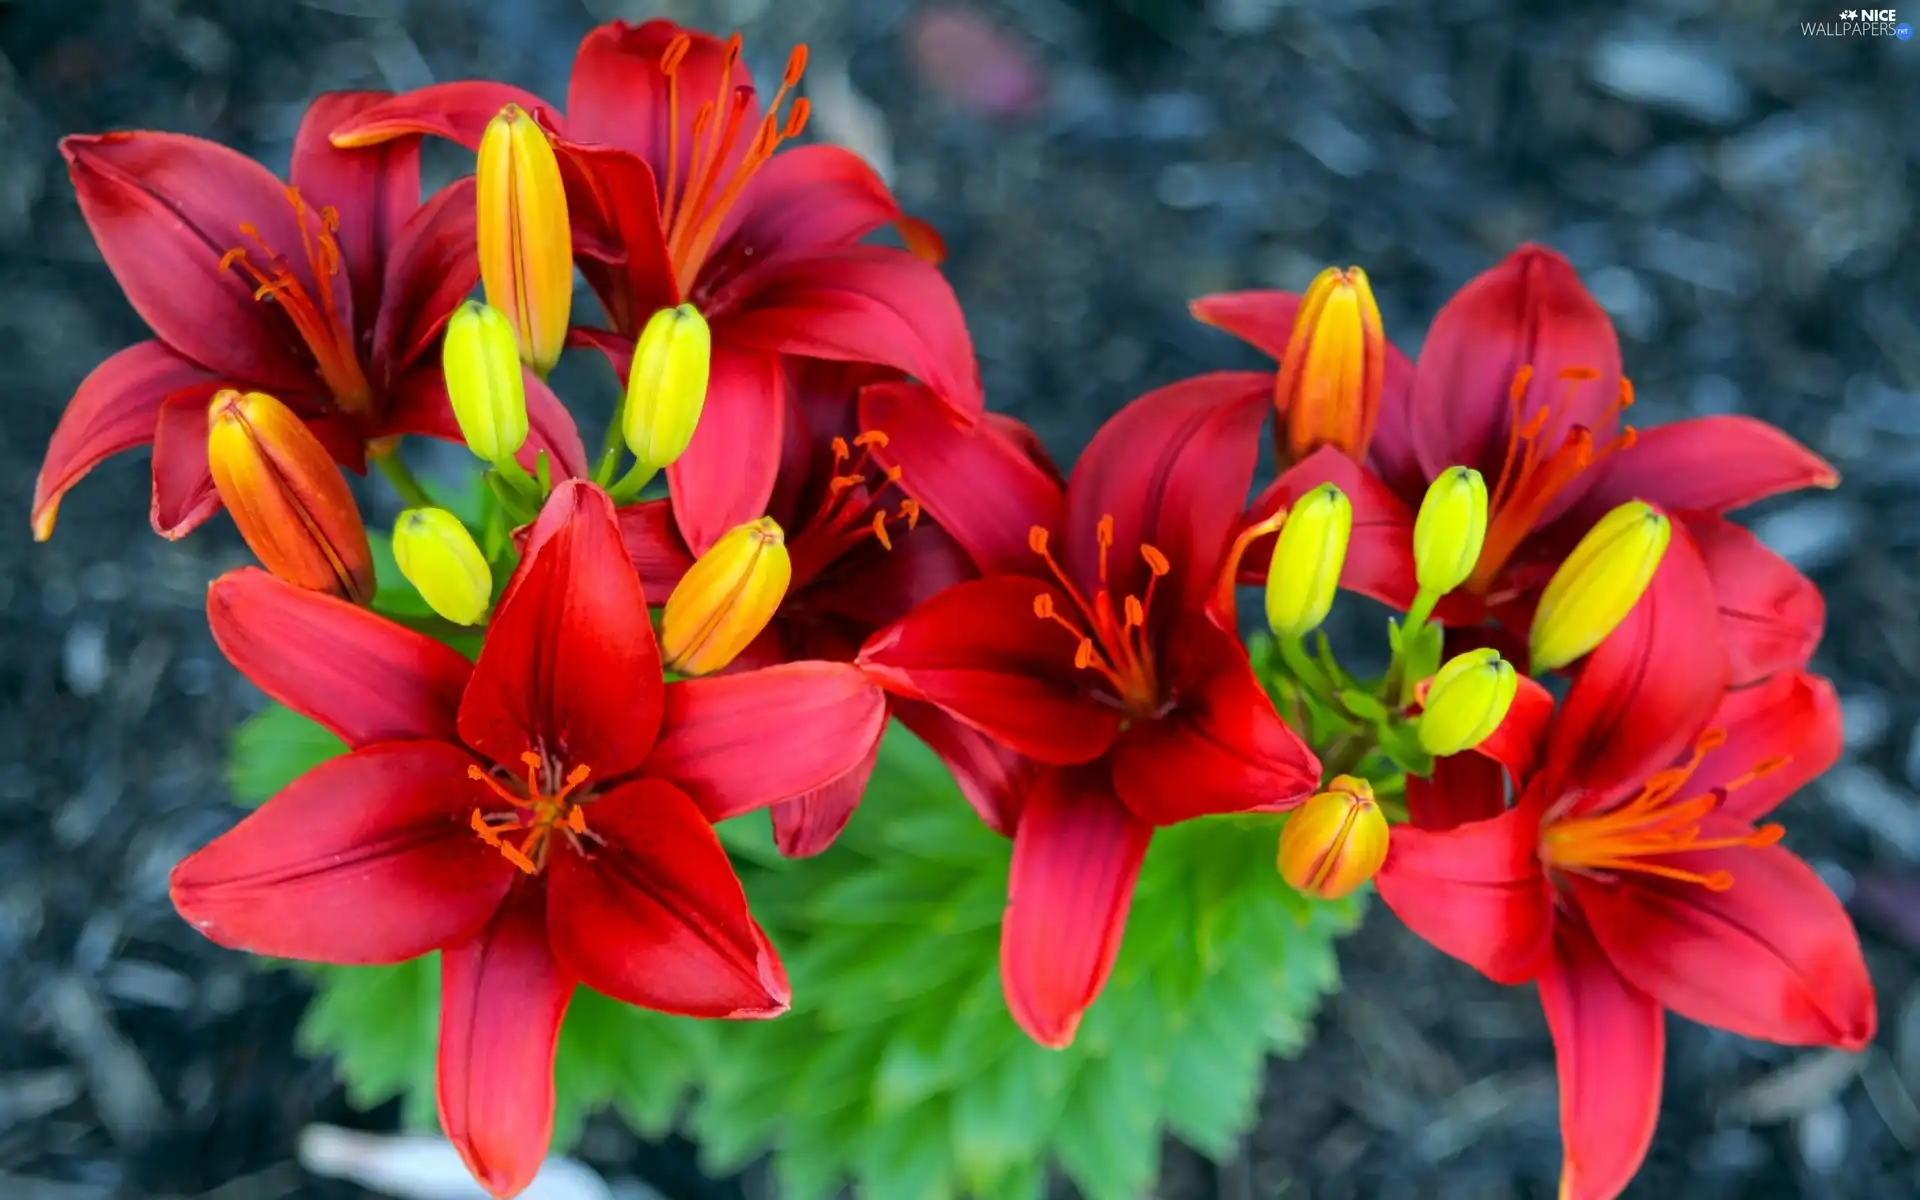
(1294, 655)
(403, 480)
(632, 483)
(1345, 755)
(610, 443)
(1423, 604)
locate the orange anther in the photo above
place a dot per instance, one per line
(880, 530)
(1037, 539)
(796, 66)
(1156, 562)
(1043, 607)
(676, 51)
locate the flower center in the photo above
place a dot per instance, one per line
(851, 511)
(1655, 824)
(692, 210)
(314, 316)
(523, 833)
(1113, 644)
(1533, 473)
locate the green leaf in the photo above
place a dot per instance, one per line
(274, 747)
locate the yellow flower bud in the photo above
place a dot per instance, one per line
(667, 386)
(525, 241)
(1334, 842)
(440, 559)
(1307, 558)
(1466, 701)
(1334, 367)
(726, 598)
(482, 367)
(1598, 584)
(1451, 528)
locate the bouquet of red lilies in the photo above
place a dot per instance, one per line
(533, 711)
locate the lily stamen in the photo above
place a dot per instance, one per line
(543, 809)
(1107, 644)
(852, 510)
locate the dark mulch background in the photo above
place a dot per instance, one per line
(1735, 192)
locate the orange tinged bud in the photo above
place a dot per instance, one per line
(526, 242)
(287, 496)
(1334, 367)
(1334, 842)
(723, 602)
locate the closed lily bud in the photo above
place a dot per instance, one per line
(526, 243)
(667, 386)
(1466, 701)
(1307, 559)
(1598, 584)
(726, 598)
(443, 563)
(482, 367)
(1451, 528)
(287, 496)
(1334, 842)
(1334, 367)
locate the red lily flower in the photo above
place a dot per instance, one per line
(1630, 876)
(679, 190)
(1095, 653)
(1520, 379)
(542, 817)
(327, 292)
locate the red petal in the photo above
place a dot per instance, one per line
(1393, 456)
(1464, 788)
(981, 486)
(613, 191)
(1475, 891)
(1795, 716)
(183, 491)
(1531, 310)
(1645, 694)
(617, 94)
(870, 586)
(994, 779)
(569, 663)
(164, 209)
(1380, 548)
(808, 198)
(1223, 749)
(1522, 736)
(432, 265)
(116, 408)
(727, 474)
(364, 859)
(1076, 856)
(373, 191)
(1773, 957)
(1172, 469)
(1022, 437)
(654, 916)
(502, 999)
(978, 651)
(1610, 1039)
(458, 111)
(418, 404)
(1708, 463)
(659, 554)
(743, 741)
(870, 304)
(1263, 320)
(806, 825)
(363, 677)
(1770, 614)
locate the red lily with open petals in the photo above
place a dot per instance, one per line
(542, 817)
(327, 292)
(1101, 661)
(679, 190)
(1631, 876)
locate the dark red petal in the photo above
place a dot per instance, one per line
(1707, 463)
(808, 198)
(164, 209)
(746, 740)
(1263, 320)
(982, 487)
(458, 111)
(363, 677)
(613, 192)
(870, 586)
(418, 404)
(116, 408)
(1645, 694)
(1379, 549)
(1793, 716)
(372, 191)
(978, 651)
(654, 915)
(806, 825)
(1770, 614)
(1172, 469)
(1522, 736)
(659, 554)
(1610, 1040)
(1464, 788)
(1076, 856)
(727, 474)
(430, 268)
(183, 491)
(617, 94)
(1222, 749)
(994, 779)
(364, 859)
(1475, 891)
(1773, 957)
(870, 304)
(1394, 457)
(502, 999)
(569, 665)
(1531, 310)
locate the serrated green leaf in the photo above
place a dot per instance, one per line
(274, 747)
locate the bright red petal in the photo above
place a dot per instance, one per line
(364, 859)
(655, 916)
(978, 651)
(806, 199)
(981, 486)
(1263, 320)
(458, 111)
(1076, 856)
(655, 546)
(1380, 548)
(1610, 1039)
(1773, 957)
(1475, 891)
(746, 740)
(430, 268)
(994, 779)
(618, 96)
(1793, 716)
(183, 492)
(806, 825)
(727, 474)
(1770, 614)
(569, 662)
(372, 191)
(1522, 736)
(502, 999)
(1711, 464)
